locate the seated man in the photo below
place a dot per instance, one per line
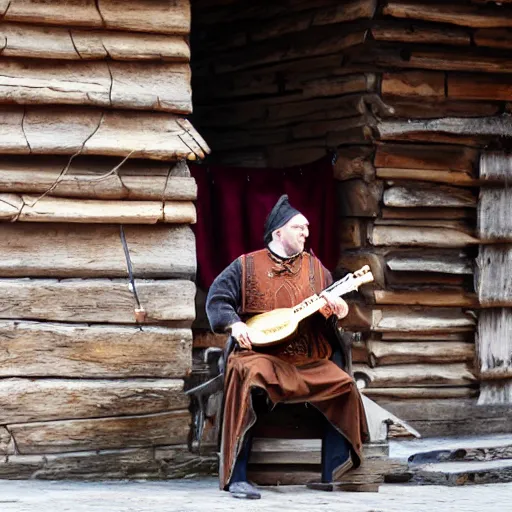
(298, 370)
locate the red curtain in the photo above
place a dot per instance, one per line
(233, 203)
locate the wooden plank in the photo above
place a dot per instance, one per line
(420, 34)
(401, 375)
(147, 86)
(495, 392)
(449, 262)
(465, 15)
(425, 320)
(417, 352)
(134, 15)
(57, 250)
(413, 83)
(422, 297)
(93, 178)
(390, 236)
(428, 175)
(494, 212)
(68, 131)
(476, 87)
(426, 156)
(429, 213)
(27, 400)
(96, 300)
(494, 281)
(428, 195)
(28, 208)
(467, 337)
(495, 167)
(101, 433)
(33, 349)
(32, 41)
(493, 38)
(408, 393)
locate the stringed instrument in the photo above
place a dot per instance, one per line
(275, 326)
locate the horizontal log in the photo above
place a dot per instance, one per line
(389, 236)
(467, 337)
(441, 298)
(413, 83)
(494, 344)
(33, 349)
(32, 41)
(93, 178)
(495, 392)
(339, 85)
(464, 15)
(426, 156)
(417, 352)
(133, 15)
(495, 167)
(354, 162)
(493, 38)
(487, 126)
(402, 280)
(429, 213)
(408, 393)
(447, 262)
(494, 212)
(494, 277)
(458, 224)
(456, 374)
(27, 208)
(421, 34)
(429, 175)
(476, 87)
(28, 400)
(101, 433)
(143, 86)
(96, 300)
(424, 320)
(57, 250)
(68, 131)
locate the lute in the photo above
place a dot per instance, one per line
(275, 326)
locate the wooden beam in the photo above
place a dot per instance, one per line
(101, 433)
(133, 15)
(420, 297)
(493, 38)
(413, 83)
(420, 34)
(96, 300)
(72, 130)
(429, 175)
(92, 178)
(27, 400)
(427, 157)
(33, 349)
(354, 162)
(33, 41)
(494, 213)
(495, 167)
(447, 262)
(28, 208)
(384, 353)
(426, 195)
(494, 283)
(429, 213)
(389, 236)
(401, 375)
(477, 87)
(421, 320)
(143, 86)
(409, 393)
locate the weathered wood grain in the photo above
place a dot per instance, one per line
(494, 277)
(476, 87)
(95, 300)
(32, 349)
(426, 297)
(414, 393)
(134, 15)
(413, 83)
(27, 400)
(426, 320)
(430, 175)
(448, 262)
(495, 167)
(34, 41)
(429, 213)
(29, 208)
(400, 375)
(426, 195)
(390, 236)
(68, 131)
(101, 433)
(416, 352)
(421, 34)
(494, 214)
(93, 178)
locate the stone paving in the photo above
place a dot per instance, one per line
(203, 496)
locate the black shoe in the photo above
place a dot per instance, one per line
(244, 490)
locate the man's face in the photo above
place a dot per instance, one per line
(293, 234)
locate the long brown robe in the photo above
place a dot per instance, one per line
(298, 370)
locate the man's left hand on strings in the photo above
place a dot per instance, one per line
(335, 306)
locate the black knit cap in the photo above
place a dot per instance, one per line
(278, 217)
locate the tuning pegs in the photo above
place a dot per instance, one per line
(362, 271)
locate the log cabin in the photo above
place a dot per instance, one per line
(96, 135)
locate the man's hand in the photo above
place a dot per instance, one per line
(335, 306)
(241, 332)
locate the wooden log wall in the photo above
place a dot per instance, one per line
(93, 137)
(411, 95)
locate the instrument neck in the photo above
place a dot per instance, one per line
(309, 306)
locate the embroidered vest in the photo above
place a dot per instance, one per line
(269, 282)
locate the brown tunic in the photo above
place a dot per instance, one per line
(298, 370)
